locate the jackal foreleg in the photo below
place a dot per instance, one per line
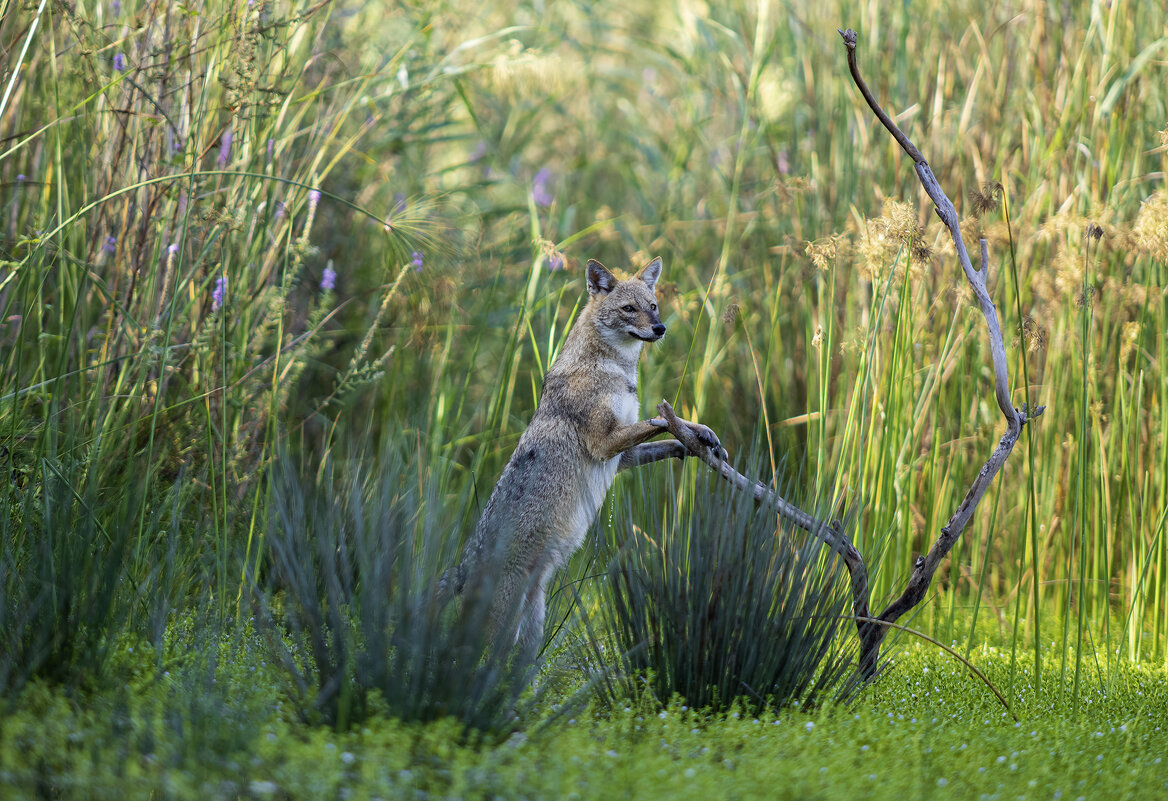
(630, 442)
(651, 452)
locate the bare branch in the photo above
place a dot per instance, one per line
(648, 452)
(926, 565)
(871, 630)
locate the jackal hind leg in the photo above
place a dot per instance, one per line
(532, 617)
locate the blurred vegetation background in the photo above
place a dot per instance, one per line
(338, 231)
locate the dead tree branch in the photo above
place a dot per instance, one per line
(926, 565)
(871, 630)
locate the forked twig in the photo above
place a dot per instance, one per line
(872, 630)
(926, 565)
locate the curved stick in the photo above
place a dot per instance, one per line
(926, 565)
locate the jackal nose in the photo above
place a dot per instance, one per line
(659, 330)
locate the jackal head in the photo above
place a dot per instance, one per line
(625, 311)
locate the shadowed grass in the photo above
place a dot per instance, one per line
(69, 590)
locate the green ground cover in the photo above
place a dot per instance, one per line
(927, 729)
(279, 283)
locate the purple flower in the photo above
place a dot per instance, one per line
(21, 178)
(279, 209)
(417, 256)
(217, 293)
(110, 246)
(119, 62)
(328, 281)
(271, 149)
(540, 189)
(479, 151)
(172, 248)
(116, 7)
(225, 148)
(313, 197)
(556, 262)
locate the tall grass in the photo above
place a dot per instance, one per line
(163, 289)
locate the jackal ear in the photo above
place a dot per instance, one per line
(599, 278)
(651, 272)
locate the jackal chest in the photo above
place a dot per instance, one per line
(624, 406)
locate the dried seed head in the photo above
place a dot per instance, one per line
(1150, 232)
(987, 200)
(553, 257)
(901, 221)
(1130, 339)
(1034, 334)
(822, 252)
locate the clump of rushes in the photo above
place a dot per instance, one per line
(714, 604)
(356, 551)
(68, 588)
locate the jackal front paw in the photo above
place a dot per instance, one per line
(708, 438)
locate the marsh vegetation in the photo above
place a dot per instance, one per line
(279, 283)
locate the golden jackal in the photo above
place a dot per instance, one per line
(584, 430)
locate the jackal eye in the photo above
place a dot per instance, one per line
(653, 306)
(627, 307)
